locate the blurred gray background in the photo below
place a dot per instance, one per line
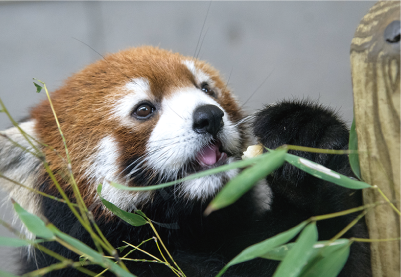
(302, 47)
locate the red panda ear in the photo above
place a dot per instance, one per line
(19, 165)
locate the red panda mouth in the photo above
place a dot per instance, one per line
(211, 155)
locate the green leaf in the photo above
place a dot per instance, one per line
(261, 248)
(236, 187)
(6, 274)
(324, 173)
(298, 256)
(173, 226)
(327, 259)
(15, 242)
(38, 87)
(234, 165)
(83, 259)
(141, 213)
(33, 223)
(331, 263)
(121, 248)
(280, 252)
(353, 145)
(91, 254)
(84, 250)
(131, 218)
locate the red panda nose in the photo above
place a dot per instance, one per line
(208, 119)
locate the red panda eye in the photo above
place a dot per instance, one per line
(206, 89)
(144, 111)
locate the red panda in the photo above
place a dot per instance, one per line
(146, 116)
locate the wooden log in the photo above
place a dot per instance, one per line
(375, 64)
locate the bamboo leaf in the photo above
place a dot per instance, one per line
(298, 256)
(280, 252)
(173, 225)
(15, 242)
(38, 87)
(33, 223)
(141, 213)
(236, 187)
(261, 248)
(84, 250)
(89, 253)
(234, 165)
(130, 218)
(6, 274)
(83, 259)
(331, 263)
(121, 248)
(324, 173)
(353, 145)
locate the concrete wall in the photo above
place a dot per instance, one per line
(302, 46)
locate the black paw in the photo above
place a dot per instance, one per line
(302, 123)
(297, 195)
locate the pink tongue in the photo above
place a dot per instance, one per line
(209, 155)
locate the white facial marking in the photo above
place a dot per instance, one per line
(205, 187)
(22, 167)
(173, 142)
(199, 75)
(137, 90)
(104, 169)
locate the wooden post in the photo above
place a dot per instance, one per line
(375, 63)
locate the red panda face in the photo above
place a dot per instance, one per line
(141, 117)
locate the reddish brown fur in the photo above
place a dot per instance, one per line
(84, 103)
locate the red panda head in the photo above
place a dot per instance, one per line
(139, 117)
